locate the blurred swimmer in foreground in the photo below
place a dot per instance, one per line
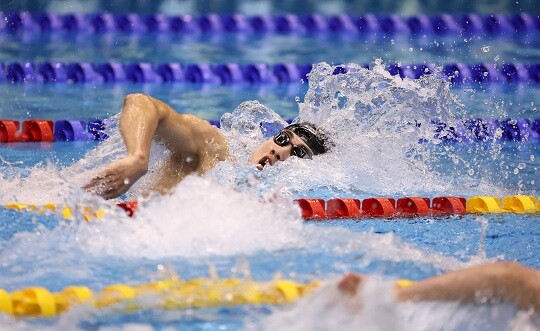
(491, 282)
(195, 146)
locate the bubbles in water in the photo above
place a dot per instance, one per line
(485, 49)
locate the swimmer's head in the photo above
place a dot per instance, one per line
(302, 140)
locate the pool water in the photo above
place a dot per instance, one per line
(243, 223)
(267, 48)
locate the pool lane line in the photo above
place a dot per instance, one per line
(173, 293)
(467, 24)
(314, 209)
(475, 130)
(457, 73)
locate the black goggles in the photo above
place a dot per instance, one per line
(283, 138)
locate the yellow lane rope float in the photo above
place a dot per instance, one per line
(167, 294)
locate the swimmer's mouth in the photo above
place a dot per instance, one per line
(263, 162)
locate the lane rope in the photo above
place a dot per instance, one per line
(169, 294)
(249, 73)
(166, 294)
(468, 131)
(372, 24)
(343, 208)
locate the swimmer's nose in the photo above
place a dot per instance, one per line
(281, 153)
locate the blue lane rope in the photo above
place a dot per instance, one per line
(445, 24)
(252, 74)
(468, 131)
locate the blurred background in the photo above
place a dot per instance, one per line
(194, 7)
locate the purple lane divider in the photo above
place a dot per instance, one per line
(211, 23)
(201, 73)
(342, 23)
(534, 72)
(288, 23)
(83, 72)
(254, 73)
(258, 73)
(130, 23)
(20, 72)
(76, 22)
(420, 24)
(367, 24)
(49, 22)
(535, 126)
(481, 129)
(486, 72)
(186, 24)
(22, 21)
(518, 130)
(236, 23)
(142, 73)
(71, 130)
(96, 129)
(457, 73)
(287, 72)
(52, 72)
(229, 73)
(523, 22)
(445, 24)
(472, 24)
(3, 20)
(315, 23)
(102, 23)
(171, 72)
(515, 73)
(394, 24)
(112, 72)
(263, 23)
(158, 23)
(498, 24)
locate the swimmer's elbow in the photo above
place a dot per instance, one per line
(141, 102)
(135, 98)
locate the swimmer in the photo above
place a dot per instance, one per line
(195, 147)
(491, 282)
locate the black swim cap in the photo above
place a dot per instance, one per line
(314, 138)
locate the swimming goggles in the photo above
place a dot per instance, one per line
(283, 139)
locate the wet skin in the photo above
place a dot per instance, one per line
(195, 146)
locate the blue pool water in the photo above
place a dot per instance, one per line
(267, 48)
(221, 221)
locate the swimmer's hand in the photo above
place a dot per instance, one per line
(117, 177)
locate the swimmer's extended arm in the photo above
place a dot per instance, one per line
(144, 118)
(493, 281)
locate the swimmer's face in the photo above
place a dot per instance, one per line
(279, 148)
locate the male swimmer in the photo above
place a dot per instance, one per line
(483, 283)
(195, 146)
